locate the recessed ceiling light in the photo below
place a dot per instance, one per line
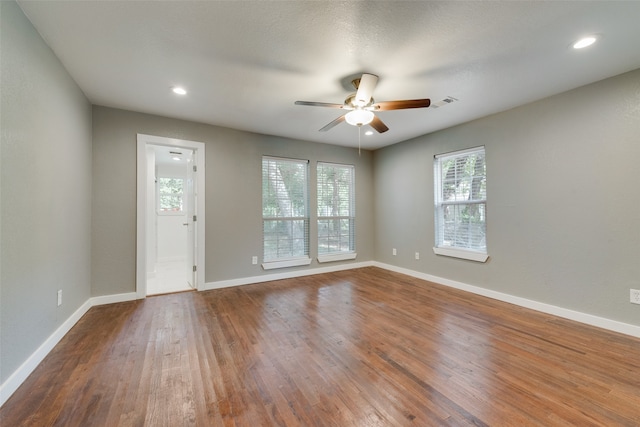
(176, 158)
(585, 42)
(178, 90)
(369, 133)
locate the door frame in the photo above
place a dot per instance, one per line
(142, 207)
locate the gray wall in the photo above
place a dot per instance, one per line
(563, 223)
(563, 219)
(45, 191)
(233, 198)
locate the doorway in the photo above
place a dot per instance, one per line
(168, 240)
(170, 224)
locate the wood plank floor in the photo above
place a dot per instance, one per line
(364, 347)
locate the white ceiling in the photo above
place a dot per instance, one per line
(244, 63)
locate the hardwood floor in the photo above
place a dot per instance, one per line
(364, 347)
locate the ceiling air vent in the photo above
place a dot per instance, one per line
(447, 100)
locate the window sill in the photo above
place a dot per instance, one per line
(462, 254)
(336, 257)
(286, 263)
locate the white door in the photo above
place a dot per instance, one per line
(194, 194)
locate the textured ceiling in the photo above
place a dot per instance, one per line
(244, 63)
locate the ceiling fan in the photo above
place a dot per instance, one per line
(361, 105)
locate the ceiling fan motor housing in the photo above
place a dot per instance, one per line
(351, 104)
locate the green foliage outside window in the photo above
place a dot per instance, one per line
(285, 208)
(461, 202)
(170, 192)
(336, 216)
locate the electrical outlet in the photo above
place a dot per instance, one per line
(254, 260)
(417, 255)
(635, 296)
(59, 297)
(394, 252)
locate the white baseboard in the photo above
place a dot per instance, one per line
(110, 299)
(21, 374)
(589, 319)
(285, 275)
(17, 378)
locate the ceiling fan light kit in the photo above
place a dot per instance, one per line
(361, 105)
(359, 117)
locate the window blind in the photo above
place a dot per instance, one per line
(285, 211)
(336, 208)
(461, 200)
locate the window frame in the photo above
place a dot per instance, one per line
(337, 255)
(159, 195)
(293, 260)
(463, 252)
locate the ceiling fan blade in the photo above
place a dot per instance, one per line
(333, 123)
(378, 125)
(366, 86)
(402, 105)
(319, 104)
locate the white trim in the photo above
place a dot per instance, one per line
(288, 275)
(462, 152)
(440, 205)
(588, 319)
(351, 165)
(295, 262)
(286, 159)
(461, 253)
(141, 204)
(337, 257)
(110, 299)
(19, 375)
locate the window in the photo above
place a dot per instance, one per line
(285, 212)
(336, 212)
(170, 195)
(460, 204)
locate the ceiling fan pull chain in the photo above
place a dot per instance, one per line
(359, 127)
